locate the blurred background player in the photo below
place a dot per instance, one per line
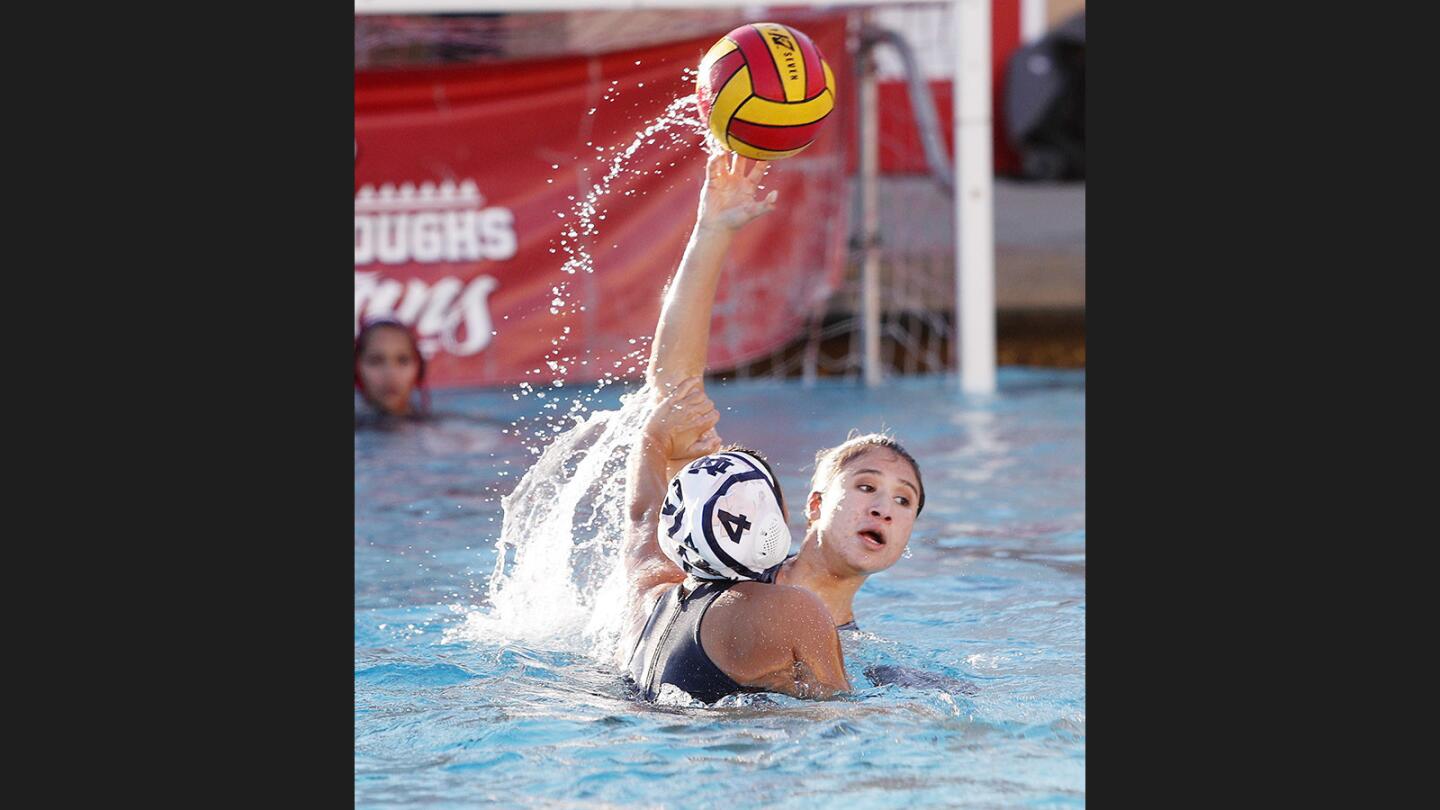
(389, 372)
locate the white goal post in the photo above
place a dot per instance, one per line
(974, 152)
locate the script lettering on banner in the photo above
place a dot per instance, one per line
(587, 206)
(430, 224)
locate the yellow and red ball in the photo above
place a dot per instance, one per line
(765, 91)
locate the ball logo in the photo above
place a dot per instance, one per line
(783, 41)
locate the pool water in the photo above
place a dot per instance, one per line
(474, 687)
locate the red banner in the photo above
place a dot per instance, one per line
(524, 217)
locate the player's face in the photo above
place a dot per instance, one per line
(865, 514)
(388, 370)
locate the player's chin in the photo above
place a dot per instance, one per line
(869, 560)
(868, 567)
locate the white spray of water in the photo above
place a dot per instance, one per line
(677, 129)
(558, 580)
(675, 124)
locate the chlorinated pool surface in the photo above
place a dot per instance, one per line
(976, 637)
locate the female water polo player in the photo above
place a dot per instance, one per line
(701, 616)
(864, 496)
(389, 369)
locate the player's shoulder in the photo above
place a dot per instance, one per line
(771, 602)
(774, 592)
(755, 628)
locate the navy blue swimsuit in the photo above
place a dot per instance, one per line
(669, 650)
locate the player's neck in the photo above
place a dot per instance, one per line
(836, 590)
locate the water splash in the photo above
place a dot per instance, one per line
(557, 579)
(678, 125)
(677, 128)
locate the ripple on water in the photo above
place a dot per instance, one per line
(414, 674)
(462, 713)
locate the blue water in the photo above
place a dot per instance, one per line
(989, 607)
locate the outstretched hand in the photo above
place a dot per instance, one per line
(728, 198)
(681, 413)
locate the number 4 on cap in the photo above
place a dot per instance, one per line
(735, 526)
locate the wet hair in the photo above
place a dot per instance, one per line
(829, 462)
(764, 462)
(363, 339)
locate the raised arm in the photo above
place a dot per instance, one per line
(682, 335)
(679, 409)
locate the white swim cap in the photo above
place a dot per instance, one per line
(722, 519)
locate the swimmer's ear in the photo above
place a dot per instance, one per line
(812, 508)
